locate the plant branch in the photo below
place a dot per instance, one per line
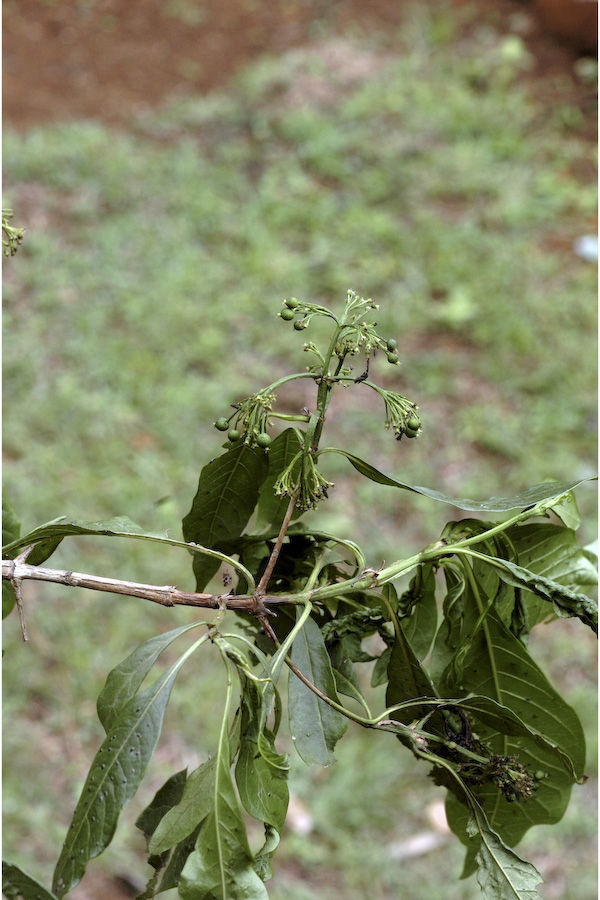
(14, 571)
(262, 584)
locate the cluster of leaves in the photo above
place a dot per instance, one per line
(463, 694)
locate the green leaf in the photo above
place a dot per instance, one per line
(16, 883)
(113, 779)
(315, 726)
(501, 873)
(448, 637)
(535, 494)
(11, 528)
(47, 537)
(565, 601)
(262, 862)
(568, 511)
(221, 866)
(498, 666)
(418, 611)
(227, 493)
(553, 552)
(407, 680)
(170, 863)
(123, 682)
(193, 806)
(271, 509)
(345, 686)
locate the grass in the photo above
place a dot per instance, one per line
(144, 301)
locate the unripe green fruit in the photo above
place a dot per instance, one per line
(287, 314)
(412, 423)
(292, 303)
(300, 325)
(392, 358)
(222, 424)
(392, 344)
(263, 439)
(233, 435)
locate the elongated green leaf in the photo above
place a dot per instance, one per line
(123, 682)
(564, 600)
(552, 552)
(47, 537)
(501, 873)
(568, 511)
(193, 806)
(418, 606)
(113, 779)
(271, 508)
(168, 864)
(11, 528)
(407, 680)
(261, 772)
(498, 666)
(349, 689)
(535, 494)
(315, 726)
(16, 884)
(221, 866)
(227, 493)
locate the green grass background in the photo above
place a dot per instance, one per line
(418, 168)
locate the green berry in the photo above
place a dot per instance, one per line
(392, 344)
(287, 314)
(233, 435)
(263, 439)
(222, 424)
(412, 423)
(392, 358)
(292, 303)
(300, 325)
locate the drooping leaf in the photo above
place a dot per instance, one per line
(456, 616)
(535, 494)
(568, 511)
(114, 777)
(272, 508)
(501, 873)
(565, 601)
(227, 493)
(349, 689)
(168, 864)
(17, 884)
(11, 528)
(192, 808)
(262, 861)
(315, 726)
(553, 552)
(407, 680)
(418, 611)
(123, 682)
(221, 866)
(498, 666)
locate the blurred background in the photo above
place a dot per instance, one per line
(180, 167)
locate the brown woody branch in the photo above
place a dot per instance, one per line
(15, 571)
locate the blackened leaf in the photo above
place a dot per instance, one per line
(315, 726)
(123, 682)
(113, 779)
(535, 494)
(227, 494)
(272, 508)
(17, 884)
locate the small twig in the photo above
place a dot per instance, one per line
(262, 584)
(16, 586)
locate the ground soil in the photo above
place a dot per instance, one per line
(108, 59)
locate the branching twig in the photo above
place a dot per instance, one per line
(15, 572)
(262, 584)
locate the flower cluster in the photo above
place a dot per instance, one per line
(302, 479)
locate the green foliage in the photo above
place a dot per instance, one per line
(463, 694)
